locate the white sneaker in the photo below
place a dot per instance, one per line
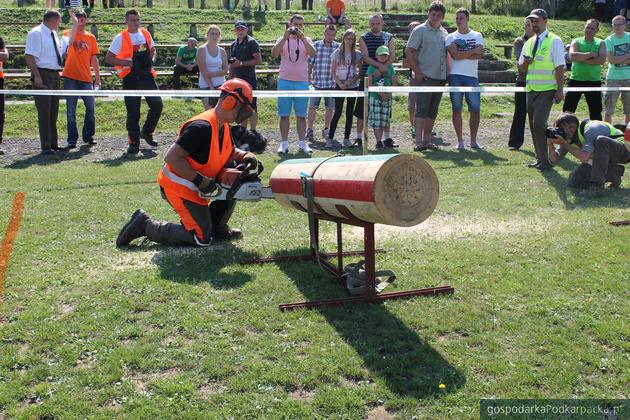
(303, 147)
(347, 143)
(284, 147)
(325, 133)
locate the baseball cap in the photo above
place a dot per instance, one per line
(240, 24)
(538, 13)
(382, 50)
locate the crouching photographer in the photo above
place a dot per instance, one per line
(596, 144)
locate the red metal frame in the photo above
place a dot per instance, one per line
(369, 251)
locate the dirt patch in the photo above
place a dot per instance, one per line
(379, 413)
(66, 309)
(208, 390)
(450, 227)
(24, 152)
(301, 395)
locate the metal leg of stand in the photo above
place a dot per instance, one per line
(339, 248)
(370, 263)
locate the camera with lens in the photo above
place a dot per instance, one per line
(551, 133)
(293, 30)
(231, 60)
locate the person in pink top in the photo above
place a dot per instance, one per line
(293, 49)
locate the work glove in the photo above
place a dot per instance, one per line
(207, 187)
(249, 160)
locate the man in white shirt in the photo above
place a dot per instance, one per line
(43, 58)
(542, 59)
(465, 47)
(132, 54)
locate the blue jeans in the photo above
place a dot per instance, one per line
(89, 123)
(473, 99)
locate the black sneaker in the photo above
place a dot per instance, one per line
(358, 143)
(135, 228)
(225, 233)
(90, 142)
(149, 139)
(594, 190)
(614, 176)
(70, 146)
(389, 142)
(133, 149)
(380, 145)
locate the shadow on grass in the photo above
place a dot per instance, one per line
(464, 157)
(389, 348)
(619, 198)
(43, 160)
(124, 158)
(194, 265)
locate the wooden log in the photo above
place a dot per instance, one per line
(398, 190)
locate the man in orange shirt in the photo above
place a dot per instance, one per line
(336, 13)
(81, 52)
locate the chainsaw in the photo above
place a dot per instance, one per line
(241, 185)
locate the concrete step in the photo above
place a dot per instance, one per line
(493, 65)
(504, 76)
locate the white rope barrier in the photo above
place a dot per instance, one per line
(396, 90)
(184, 93)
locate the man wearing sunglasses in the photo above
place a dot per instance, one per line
(188, 178)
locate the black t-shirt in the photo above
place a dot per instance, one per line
(244, 51)
(1, 47)
(372, 42)
(195, 139)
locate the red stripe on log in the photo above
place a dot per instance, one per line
(339, 189)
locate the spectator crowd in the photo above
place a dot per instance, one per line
(346, 62)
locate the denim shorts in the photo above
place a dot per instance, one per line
(473, 99)
(329, 102)
(299, 104)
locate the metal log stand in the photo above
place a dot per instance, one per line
(369, 251)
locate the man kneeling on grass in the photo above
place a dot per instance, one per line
(597, 145)
(188, 178)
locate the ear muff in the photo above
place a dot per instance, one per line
(229, 101)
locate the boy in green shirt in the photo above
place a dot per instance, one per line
(381, 103)
(185, 61)
(618, 54)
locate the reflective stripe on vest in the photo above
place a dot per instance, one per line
(126, 51)
(217, 159)
(1, 70)
(541, 72)
(613, 132)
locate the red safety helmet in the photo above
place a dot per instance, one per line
(238, 91)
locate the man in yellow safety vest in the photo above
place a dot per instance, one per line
(543, 61)
(596, 144)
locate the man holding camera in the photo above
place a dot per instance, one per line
(244, 57)
(596, 144)
(293, 48)
(542, 59)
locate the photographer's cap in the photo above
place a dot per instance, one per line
(538, 14)
(382, 50)
(240, 24)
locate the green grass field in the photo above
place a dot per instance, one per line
(540, 308)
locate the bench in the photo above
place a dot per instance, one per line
(507, 49)
(193, 27)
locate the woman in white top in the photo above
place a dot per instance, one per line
(213, 64)
(346, 62)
